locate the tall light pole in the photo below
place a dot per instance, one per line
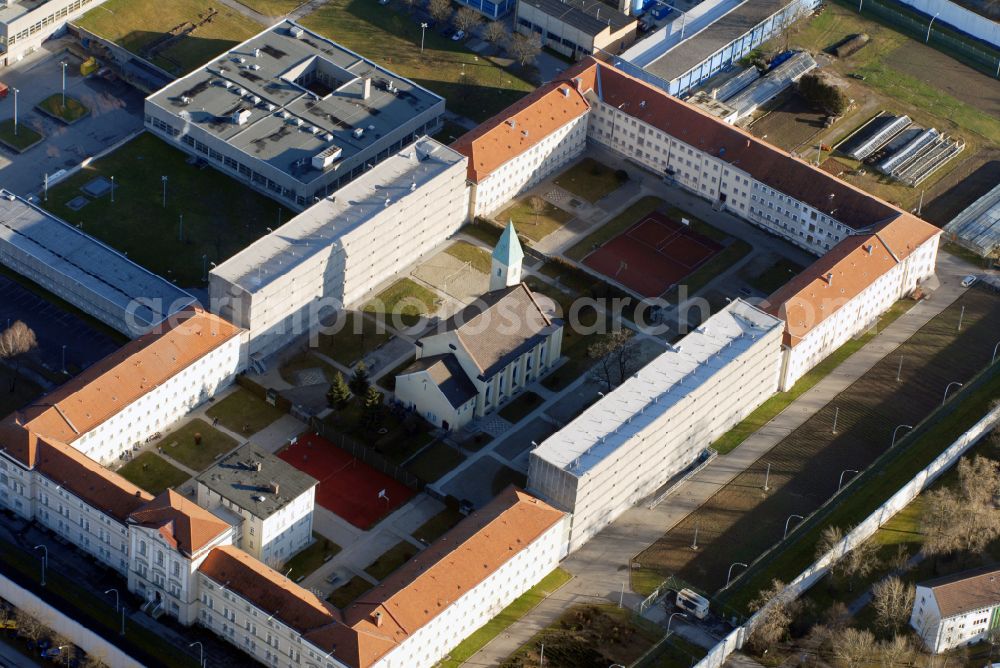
(790, 518)
(947, 389)
(671, 619)
(928, 38)
(16, 91)
(201, 652)
(112, 190)
(423, 29)
(118, 608)
(840, 484)
(45, 560)
(994, 358)
(164, 180)
(896, 431)
(64, 358)
(63, 63)
(729, 576)
(767, 477)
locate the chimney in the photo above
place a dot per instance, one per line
(257, 466)
(273, 487)
(377, 618)
(366, 88)
(868, 248)
(828, 278)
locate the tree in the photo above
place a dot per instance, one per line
(892, 600)
(962, 518)
(440, 9)
(858, 562)
(525, 48)
(339, 393)
(373, 407)
(359, 380)
(15, 342)
(819, 91)
(617, 357)
(853, 647)
(495, 33)
(772, 623)
(537, 206)
(896, 651)
(29, 626)
(467, 19)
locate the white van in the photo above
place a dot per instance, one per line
(691, 602)
(968, 281)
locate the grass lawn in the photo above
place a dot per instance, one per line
(768, 410)
(392, 559)
(535, 226)
(775, 276)
(404, 303)
(272, 7)
(483, 230)
(302, 361)
(588, 179)
(24, 391)
(220, 215)
(624, 220)
(522, 404)
(437, 526)
(521, 606)
(72, 112)
(435, 461)
(477, 257)
(343, 596)
(356, 336)
(153, 473)
(308, 560)
(244, 413)
(474, 86)
(138, 25)
(180, 444)
(676, 652)
(23, 140)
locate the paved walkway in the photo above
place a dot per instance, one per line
(601, 567)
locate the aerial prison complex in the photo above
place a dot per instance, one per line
(194, 561)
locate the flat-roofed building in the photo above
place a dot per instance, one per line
(80, 269)
(25, 24)
(577, 28)
(293, 114)
(957, 610)
(658, 422)
(337, 251)
(977, 227)
(274, 499)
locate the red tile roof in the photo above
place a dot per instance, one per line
(187, 526)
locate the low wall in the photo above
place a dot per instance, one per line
(82, 637)
(960, 18)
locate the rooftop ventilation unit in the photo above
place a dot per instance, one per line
(239, 59)
(328, 136)
(298, 122)
(315, 130)
(185, 99)
(255, 99)
(226, 83)
(241, 117)
(286, 114)
(296, 32)
(256, 53)
(511, 122)
(270, 107)
(240, 91)
(358, 132)
(564, 91)
(326, 157)
(255, 67)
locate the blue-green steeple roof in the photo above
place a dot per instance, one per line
(508, 251)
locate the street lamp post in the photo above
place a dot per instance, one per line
(45, 560)
(164, 180)
(63, 63)
(16, 91)
(947, 389)
(112, 190)
(896, 431)
(671, 619)
(201, 652)
(840, 484)
(928, 38)
(118, 608)
(790, 518)
(899, 371)
(423, 29)
(767, 477)
(994, 358)
(729, 576)
(64, 358)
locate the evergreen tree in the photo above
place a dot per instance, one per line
(373, 408)
(339, 393)
(359, 381)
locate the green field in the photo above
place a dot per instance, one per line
(153, 473)
(473, 86)
(71, 112)
(392, 559)
(535, 225)
(219, 215)
(308, 560)
(478, 258)
(589, 179)
(437, 526)
(244, 413)
(201, 30)
(403, 303)
(272, 7)
(20, 141)
(182, 446)
(344, 595)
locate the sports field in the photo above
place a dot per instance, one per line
(653, 255)
(347, 487)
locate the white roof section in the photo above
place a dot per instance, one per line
(644, 398)
(318, 227)
(84, 260)
(979, 224)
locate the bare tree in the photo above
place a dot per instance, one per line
(495, 33)
(538, 206)
(525, 48)
(440, 9)
(15, 342)
(616, 356)
(963, 518)
(828, 539)
(29, 626)
(853, 647)
(892, 600)
(772, 624)
(467, 19)
(859, 562)
(896, 651)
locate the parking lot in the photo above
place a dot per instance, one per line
(115, 113)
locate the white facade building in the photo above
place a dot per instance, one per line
(957, 610)
(337, 251)
(25, 24)
(273, 499)
(655, 424)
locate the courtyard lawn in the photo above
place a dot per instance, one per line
(535, 225)
(272, 7)
(355, 337)
(624, 220)
(153, 473)
(403, 303)
(24, 391)
(478, 258)
(308, 560)
(437, 526)
(24, 139)
(73, 110)
(589, 179)
(343, 596)
(393, 558)
(522, 404)
(521, 606)
(775, 276)
(474, 86)
(219, 215)
(181, 445)
(244, 413)
(304, 361)
(177, 36)
(437, 460)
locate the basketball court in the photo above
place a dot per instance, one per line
(347, 486)
(653, 255)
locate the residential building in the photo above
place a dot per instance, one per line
(292, 114)
(337, 251)
(486, 353)
(577, 28)
(273, 500)
(25, 24)
(957, 610)
(141, 388)
(80, 269)
(658, 422)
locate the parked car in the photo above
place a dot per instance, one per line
(458, 36)
(968, 281)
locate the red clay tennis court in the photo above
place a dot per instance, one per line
(652, 255)
(347, 486)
